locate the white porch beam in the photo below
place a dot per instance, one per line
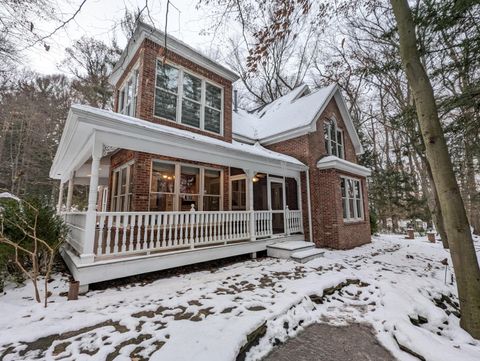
(60, 197)
(191, 151)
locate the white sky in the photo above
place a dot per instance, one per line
(98, 18)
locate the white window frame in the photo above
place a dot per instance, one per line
(128, 191)
(339, 145)
(346, 201)
(176, 194)
(180, 96)
(131, 103)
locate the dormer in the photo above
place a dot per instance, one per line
(163, 80)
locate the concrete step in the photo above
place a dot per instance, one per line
(287, 248)
(307, 255)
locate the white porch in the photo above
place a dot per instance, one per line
(108, 245)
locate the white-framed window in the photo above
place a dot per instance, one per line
(352, 199)
(188, 99)
(122, 186)
(176, 186)
(127, 95)
(334, 144)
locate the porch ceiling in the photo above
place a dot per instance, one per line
(87, 128)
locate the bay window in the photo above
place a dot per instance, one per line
(352, 199)
(175, 187)
(188, 99)
(333, 139)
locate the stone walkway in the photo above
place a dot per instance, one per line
(323, 342)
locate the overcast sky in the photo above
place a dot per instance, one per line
(98, 18)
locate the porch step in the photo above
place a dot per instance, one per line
(307, 256)
(287, 248)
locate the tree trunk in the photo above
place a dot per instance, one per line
(456, 224)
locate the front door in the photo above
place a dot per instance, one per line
(277, 201)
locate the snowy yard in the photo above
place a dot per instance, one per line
(396, 285)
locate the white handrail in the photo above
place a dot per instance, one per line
(119, 233)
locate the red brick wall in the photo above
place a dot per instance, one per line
(329, 229)
(142, 170)
(148, 54)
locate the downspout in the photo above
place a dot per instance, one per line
(309, 206)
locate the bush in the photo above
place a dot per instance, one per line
(31, 233)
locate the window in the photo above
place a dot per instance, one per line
(177, 186)
(212, 190)
(127, 96)
(333, 139)
(166, 92)
(187, 99)
(189, 188)
(239, 193)
(352, 200)
(122, 185)
(162, 188)
(291, 192)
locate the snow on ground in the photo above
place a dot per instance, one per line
(208, 315)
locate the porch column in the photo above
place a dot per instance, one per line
(250, 174)
(60, 197)
(69, 194)
(299, 197)
(88, 253)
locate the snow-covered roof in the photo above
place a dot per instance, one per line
(291, 115)
(331, 161)
(122, 131)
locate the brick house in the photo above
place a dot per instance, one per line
(178, 175)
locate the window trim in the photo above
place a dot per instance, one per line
(181, 71)
(177, 193)
(329, 123)
(347, 198)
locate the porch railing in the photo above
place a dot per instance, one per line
(118, 233)
(76, 224)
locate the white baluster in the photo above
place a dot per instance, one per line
(109, 234)
(124, 233)
(101, 225)
(116, 240)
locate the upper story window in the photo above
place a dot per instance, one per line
(127, 95)
(333, 139)
(187, 99)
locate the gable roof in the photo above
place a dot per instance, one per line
(144, 31)
(292, 115)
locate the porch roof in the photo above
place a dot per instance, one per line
(88, 127)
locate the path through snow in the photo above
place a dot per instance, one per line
(396, 285)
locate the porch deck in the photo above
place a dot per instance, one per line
(130, 243)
